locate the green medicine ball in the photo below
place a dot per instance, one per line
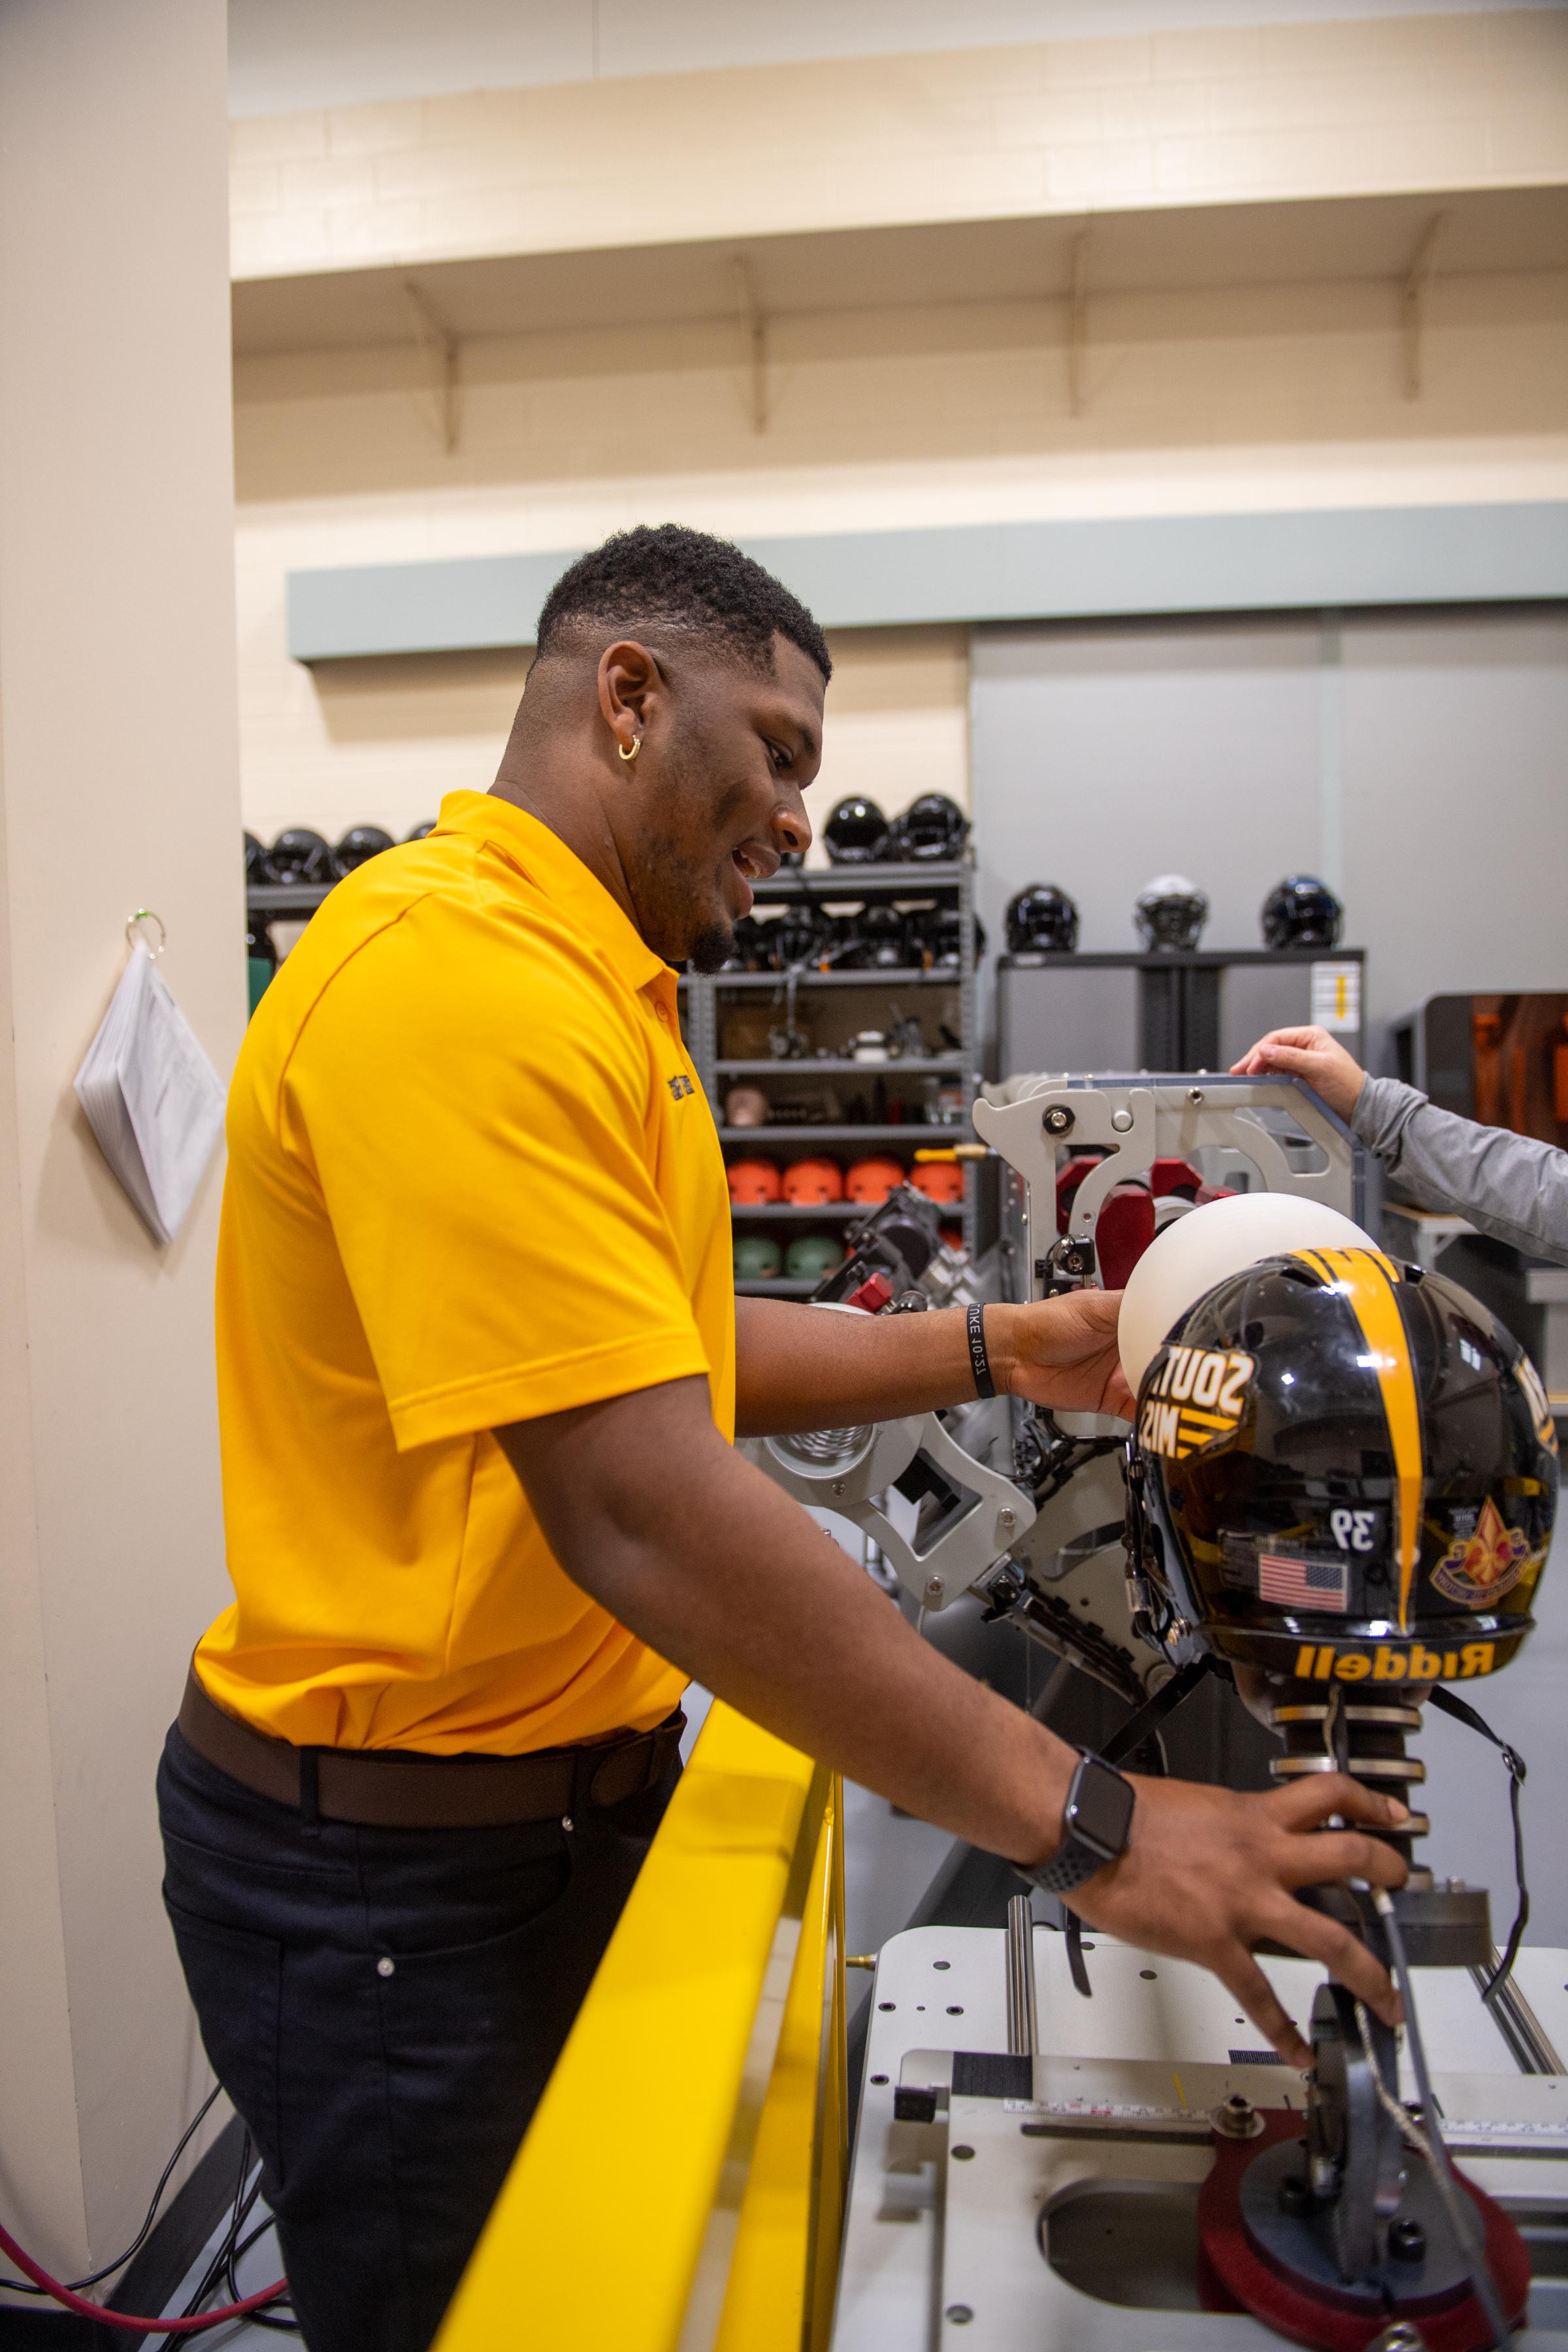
(811, 1255)
(756, 1257)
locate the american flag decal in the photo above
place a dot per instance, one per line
(1303, 1583)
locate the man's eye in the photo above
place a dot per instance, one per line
(781, 758)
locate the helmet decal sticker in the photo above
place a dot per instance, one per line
(1207, 1392)
(1304, 1583)
(1479, 1569)
(1368, 1280)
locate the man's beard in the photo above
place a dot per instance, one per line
(712, 948)
(679, 919)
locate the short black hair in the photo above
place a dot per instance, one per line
(685, 580)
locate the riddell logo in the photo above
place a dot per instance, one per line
(1386, 1664)
(680, 1088)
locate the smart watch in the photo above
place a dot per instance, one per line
(1097, 1821)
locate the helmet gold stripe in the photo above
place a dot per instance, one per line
(1367, 1280)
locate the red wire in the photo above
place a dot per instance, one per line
(73, 2302)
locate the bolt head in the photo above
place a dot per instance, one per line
(1406, 2238)
(934, 1586)
(1121, 1120)
(1194, 1094)
(1007, 1520)
(1058, 1121)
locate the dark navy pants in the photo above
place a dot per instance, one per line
(384, 2008)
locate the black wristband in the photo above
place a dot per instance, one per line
(979, 1361)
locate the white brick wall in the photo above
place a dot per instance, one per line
(1234, 115)
(1256, 399)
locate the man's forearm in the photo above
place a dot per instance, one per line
(720, 1573)
(798, 1368)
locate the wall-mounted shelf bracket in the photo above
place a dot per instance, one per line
(754, 343)
(439, 345)
(1412, 300)
(1077, 321)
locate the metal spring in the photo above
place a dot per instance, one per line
(825, 1449)
(1364, 1737)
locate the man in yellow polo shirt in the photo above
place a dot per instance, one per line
(479, 1363)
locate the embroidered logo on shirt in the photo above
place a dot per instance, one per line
(680, 1087)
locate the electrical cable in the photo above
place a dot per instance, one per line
(186, 2325)
(25, 2286)
(191, 2322)
(1463, 2218)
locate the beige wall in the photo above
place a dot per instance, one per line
(118, 789)
(1196, 402)
(1222, 116)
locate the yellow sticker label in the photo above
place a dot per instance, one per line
(1198, 1402)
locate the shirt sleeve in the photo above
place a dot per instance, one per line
(480, 1127)
(1511, 1186)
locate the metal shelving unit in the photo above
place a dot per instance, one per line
(704, 999)
(707, 1000)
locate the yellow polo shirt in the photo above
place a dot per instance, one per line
(472, 1178)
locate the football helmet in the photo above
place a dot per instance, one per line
(1170, 912)
(1301, 912)
(856, 833)
(1041, 920)
(931, 830)
(358, 845)
(300, 855)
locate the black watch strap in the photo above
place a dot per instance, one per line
(1084, 1849)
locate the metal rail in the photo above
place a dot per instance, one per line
(681, 2186)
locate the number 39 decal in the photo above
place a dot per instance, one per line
(1355, 1531)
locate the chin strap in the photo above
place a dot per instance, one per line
(1463, 1712)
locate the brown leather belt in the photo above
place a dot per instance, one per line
(395, 1789)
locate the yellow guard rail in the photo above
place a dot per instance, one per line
(681, 2186)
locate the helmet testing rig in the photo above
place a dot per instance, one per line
(1338, 1492)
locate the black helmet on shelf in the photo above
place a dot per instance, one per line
(1041, 921)
(1301, 912)
(300, 855)
(856, 833)
(931, 829)
(794, 940)
(791, 860)
(420, 831)
(747, 952)
(257, 869)
(880, 941)
(358, 845)
(936, 938)
(1351, 1473)
(1171, 912)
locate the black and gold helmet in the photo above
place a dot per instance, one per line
(1349, 1473)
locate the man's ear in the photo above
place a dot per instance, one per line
(630, 683)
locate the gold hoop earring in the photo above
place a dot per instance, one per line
(631, 755)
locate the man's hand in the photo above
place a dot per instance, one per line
(1209, 1873)
(1062, 1352)
(1309, 1054)
(647, 1510)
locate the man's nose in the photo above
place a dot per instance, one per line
(791, 827)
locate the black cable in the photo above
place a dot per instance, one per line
(1463, 1712)
(26, 2286)
(271, 2317)
(213, 2274)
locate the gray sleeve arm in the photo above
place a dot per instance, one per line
(1508, 1186)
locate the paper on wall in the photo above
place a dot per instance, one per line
(151, 1098)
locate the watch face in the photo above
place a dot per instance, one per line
(1101, 1806)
